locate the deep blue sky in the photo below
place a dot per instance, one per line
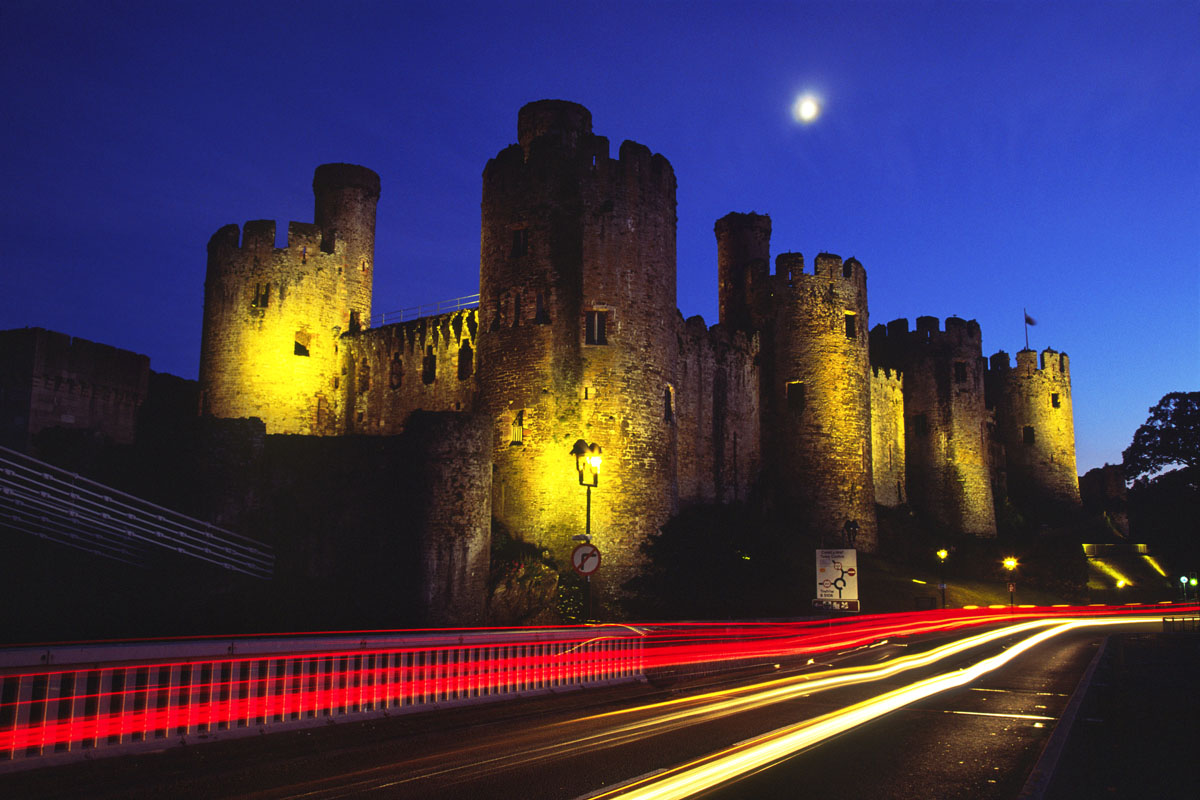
(978, 158)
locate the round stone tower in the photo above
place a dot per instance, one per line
(945, 419)
(819, 397)
(577, 311)
(743, 266)
(1034, 420)
(273, 315)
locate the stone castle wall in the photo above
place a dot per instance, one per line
(716, 413)
(273, 317)
(1035, 423)
(577, 268)
(391, 371)
(54, 380)
(946, 419)
(819, 403)
(887, 436)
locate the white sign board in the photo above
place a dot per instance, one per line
(837, 576)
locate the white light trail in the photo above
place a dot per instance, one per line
(762, 751)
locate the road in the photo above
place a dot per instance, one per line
(918, 717)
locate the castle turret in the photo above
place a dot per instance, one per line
(819, 400)
(945, 417)
(743, 265)
(1035, 422)
(578, 335)
(273, 315)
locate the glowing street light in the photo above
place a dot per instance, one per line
(1010, 564)
(942, 555)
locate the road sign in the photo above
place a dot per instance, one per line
(585, 559)
(837, 605)
(837, 578)
(1012, 587)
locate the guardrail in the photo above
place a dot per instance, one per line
(82, 701)
(1181, 622)
(426, 310)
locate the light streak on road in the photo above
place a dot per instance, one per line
(762, 751)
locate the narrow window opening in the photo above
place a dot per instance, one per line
(847, 269)
(540, 316)
(1054, 399)
(364, 376)
(851, 326)
(1029, 434)
(597, 327)
(355, 325)
(303, 340)
(516, 309)
(960, 372)
(589, 393)
(796, 396)
(429, 371)
(262, 295)
(520, 242)
(669, 403)
(518, 428)
(495, 325)
(466, 361)
(395, 371)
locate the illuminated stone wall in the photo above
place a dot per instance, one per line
(273, 316)
(717, 414)
(578, 335)
(52, 380)
(887, 436)
(946, 419)
(1035, 423)
(392, 371)
(818, 402)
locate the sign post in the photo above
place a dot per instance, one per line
(837, 580)
(586, 559)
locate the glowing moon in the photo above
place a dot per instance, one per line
(806, 109)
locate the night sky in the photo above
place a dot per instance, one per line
(978, 158)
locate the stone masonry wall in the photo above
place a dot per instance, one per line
(716, 409)
(887, 436)
(819, 406)
(578, 336)
(946, 419)
(54, 380)
(1034, 420)
(392, 371)
(273, 317)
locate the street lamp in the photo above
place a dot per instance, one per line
(942, 555)
(587, 464)
(1010, 564)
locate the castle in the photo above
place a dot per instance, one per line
(791, 400)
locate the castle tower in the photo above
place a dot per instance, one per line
(818, 402)
(273, 316)
(743, 266)
(1034, 421)
(945, 419)
(578, 336)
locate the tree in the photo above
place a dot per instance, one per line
(1171, 436)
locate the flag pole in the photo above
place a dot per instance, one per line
(1026, 315)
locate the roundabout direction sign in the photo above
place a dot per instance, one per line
(585, 559)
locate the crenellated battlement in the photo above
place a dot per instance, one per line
(1053, 364)
(258, 236)
(958, 332)
(790, 270)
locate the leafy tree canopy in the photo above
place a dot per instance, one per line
(1171, 436)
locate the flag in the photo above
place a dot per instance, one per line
(1029, 320)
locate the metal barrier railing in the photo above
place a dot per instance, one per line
(1181, 622)
(87, 701)
(426, 310)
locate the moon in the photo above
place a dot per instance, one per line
(806, 108)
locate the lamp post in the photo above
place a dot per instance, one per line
(587, 464)
(942, 555)
(1010, 564)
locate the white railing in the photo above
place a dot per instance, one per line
(427, 310)
(79, 701)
